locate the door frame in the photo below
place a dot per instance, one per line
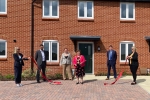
(92, 55)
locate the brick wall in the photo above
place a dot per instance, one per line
(15, 25)
(106, 24)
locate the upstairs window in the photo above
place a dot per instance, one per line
(51, 8)
(85, 9)
(127, 11)
(3, 6)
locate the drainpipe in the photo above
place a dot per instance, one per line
(32, 34)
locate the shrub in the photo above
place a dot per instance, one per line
(9, 77)
(58, 76)
(55, 76)
(1, 76)
(27, 75)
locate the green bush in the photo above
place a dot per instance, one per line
(9, 77)
(58, 76)
(55, 76)
(27, 73)
(1, 76)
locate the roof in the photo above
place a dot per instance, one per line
(85, 38)
(135, 0)
(147, 37)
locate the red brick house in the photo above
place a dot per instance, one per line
(90, 26)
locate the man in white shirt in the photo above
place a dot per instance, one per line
(41, 62)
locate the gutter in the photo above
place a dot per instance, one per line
(32, 33)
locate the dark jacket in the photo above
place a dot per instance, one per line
(38, 57)
(114, 56)
(18, 62)
(134, 60)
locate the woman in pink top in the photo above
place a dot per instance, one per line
(79, 63)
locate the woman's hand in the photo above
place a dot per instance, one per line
(75, 64)
(29, 57)
(128, 57)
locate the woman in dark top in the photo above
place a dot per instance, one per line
(18, 63)
(133, 63)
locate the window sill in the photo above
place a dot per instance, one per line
(85, 20)
(52, 63)
(3, 59)
(123, 63)
(3, 15)
(50, 19)
(127, 21)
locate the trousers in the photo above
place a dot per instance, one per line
(18, 72)
(43, 67)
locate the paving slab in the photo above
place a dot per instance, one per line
(92, 89)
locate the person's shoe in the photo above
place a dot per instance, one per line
(18, 85)
(133, 83)
(107, 79)
(81, 82)
(44, 80)
(38, 82)
(64, 79)
(77, 83)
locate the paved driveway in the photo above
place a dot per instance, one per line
(90, 90)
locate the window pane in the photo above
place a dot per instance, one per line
(54, 8)
(2, 49)
(54, 51)
(123, 10)
(81, 9)
(89, 9)
(123, 51)
(130, 6)
(129, 48)
(46, 8)
(2, 6)
(46, 48)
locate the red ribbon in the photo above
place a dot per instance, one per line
(119, 76)
(44, 77)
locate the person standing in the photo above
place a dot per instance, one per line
(79, 63)
(18, 63)
(133, 63)
(65, 62)
(111, 61)
(40, 58)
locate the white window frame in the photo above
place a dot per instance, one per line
(50, 50)
(85, 10)
(4, 41)
(5, 8)
(126, 43)
(50, 1)
(127, 11)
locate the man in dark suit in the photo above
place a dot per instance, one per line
(111, 61)
(41, 62)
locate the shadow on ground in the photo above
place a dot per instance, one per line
(31, 83)
(88, 81)
(140, 80)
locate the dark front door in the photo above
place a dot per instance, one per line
(86, 50)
